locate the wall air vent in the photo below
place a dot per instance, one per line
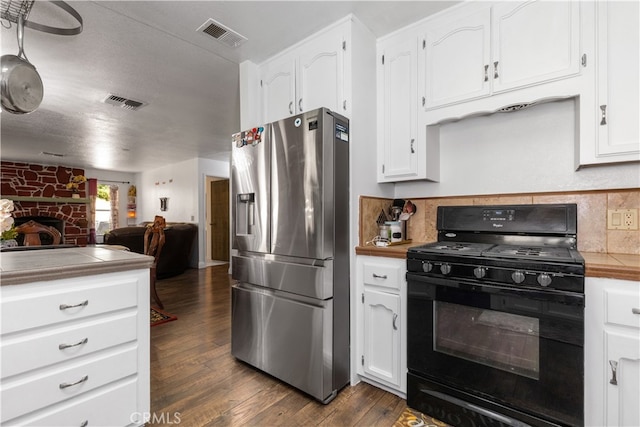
(221, 33)
(122, 102)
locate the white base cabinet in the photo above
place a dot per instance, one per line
(382, 355)
(612, 352)
(76, 351)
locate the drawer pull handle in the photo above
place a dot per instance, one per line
(63, 346)
(85, 423)
(614, 368)
(80, 381)
(82, 304)
(377, 276)
(635, 310)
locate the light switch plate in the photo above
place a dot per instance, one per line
(622, 219)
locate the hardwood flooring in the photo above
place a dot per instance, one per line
(196, 382)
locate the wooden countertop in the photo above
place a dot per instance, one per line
(612, 266)
(51, 264)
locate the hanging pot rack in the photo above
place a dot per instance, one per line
(11, 10)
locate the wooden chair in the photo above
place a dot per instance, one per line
(31, 231)
(153, 243)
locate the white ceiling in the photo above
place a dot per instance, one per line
(150, 51)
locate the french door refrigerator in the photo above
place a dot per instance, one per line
(290, 263)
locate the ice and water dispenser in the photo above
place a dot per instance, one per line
(245, 213)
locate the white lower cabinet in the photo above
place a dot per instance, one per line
(382, 322)
(76, 351)
(612, 352)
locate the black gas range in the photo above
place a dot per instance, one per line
(496, 317)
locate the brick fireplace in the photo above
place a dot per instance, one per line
(40, 182)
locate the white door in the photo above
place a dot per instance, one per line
(534, 41)
(381, 358)
(400, 101)
(278, 89)
(456, 63)
(618, 88)
(623, 358)
(320, 74)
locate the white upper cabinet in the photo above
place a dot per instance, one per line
(279, 89)
(617, 109)
(309, 76)
(456, 59)
(399, 100)
(470, 54)
(533, 42)
(320, 73)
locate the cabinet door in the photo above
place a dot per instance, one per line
(400, 104)
(320, 74)
(278, 89)
(533, 41)
(456, 63)
(618, 87)
(381, 358)
(623, 357)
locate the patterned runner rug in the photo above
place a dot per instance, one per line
(159, 317)
(413, 418)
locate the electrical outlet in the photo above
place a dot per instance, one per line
(622, 219)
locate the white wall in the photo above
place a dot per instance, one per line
(121, 179)
(531, 150)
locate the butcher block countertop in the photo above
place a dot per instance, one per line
(17, 267)
(612, 266)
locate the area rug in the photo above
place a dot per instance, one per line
(158, 317)
(413, 418)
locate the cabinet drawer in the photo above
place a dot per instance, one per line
(33, 305)
(622, 307)
(386, 276)
(24, 353)
(113, 405)
(58, 385)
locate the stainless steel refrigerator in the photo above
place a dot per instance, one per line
(290, 209)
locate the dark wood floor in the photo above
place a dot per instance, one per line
(193, 373)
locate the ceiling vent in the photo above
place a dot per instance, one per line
(122, 102)
(221, 33)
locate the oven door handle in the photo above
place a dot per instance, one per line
(486, 412)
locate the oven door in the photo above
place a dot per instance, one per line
(520, 349)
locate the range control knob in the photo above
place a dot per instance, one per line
(517, 276)
(480, 272)
(445, 269)
(544, 279)
(427, 266)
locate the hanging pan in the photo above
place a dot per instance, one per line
(21, 85)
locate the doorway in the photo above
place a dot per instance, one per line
(217, 220)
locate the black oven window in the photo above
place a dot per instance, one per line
(493, 338)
